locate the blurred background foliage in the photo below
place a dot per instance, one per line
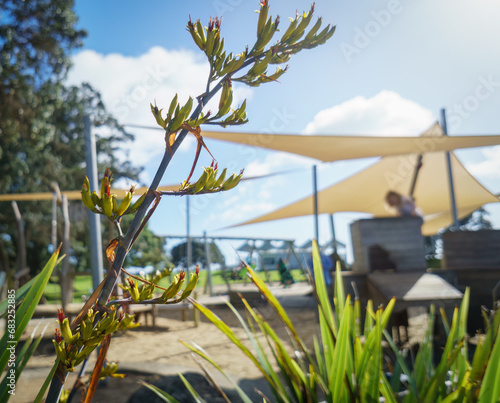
(41, 127)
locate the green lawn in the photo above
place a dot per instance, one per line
(83, 283)
(218, 279)
(82, 286)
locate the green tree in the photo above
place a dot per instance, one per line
(179, 254)
(149, 250)
(475, 221)
(41, 122)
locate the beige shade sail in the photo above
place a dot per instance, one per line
(337, 148)
(366, 190)
(120, 193)
(75, 194)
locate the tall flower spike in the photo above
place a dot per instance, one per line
(60, 315)
(134, 292)
(192, 284)
(264, 9)
(105, 182)
(57, 335)
(66, 332)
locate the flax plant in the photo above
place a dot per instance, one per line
(348, 362)
(100, 316)
(18, 309)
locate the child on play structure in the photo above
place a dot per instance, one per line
(404, 205)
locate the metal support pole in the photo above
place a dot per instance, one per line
(450, 175)
(334, 238)
(315, 198)
(415, 176)
(94, 219)
(189, 249)
(208, 256)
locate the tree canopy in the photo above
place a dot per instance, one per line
(149, 249)
(475, 221)
(179, 254)
(41, 122)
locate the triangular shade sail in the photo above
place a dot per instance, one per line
(337, 148)
(75, 194)
(365, 191)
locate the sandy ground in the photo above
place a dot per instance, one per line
(147, 352)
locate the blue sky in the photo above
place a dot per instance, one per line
(388, 70)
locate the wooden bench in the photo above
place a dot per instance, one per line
(139, 310)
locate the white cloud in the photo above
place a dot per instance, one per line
(248, 199)
(236, 215)
(275, 162)
(129, 84)
(386, 113)
(489, 168)
(254, 197)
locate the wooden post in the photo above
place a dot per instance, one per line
(66, 280)
(21, 241)
(53, 235)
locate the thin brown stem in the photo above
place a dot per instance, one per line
(135, 227)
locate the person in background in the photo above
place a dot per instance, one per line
(404, 205)
(328, 266)
(286, 275)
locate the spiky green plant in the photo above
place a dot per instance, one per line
(346, 362)
(18, 309)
